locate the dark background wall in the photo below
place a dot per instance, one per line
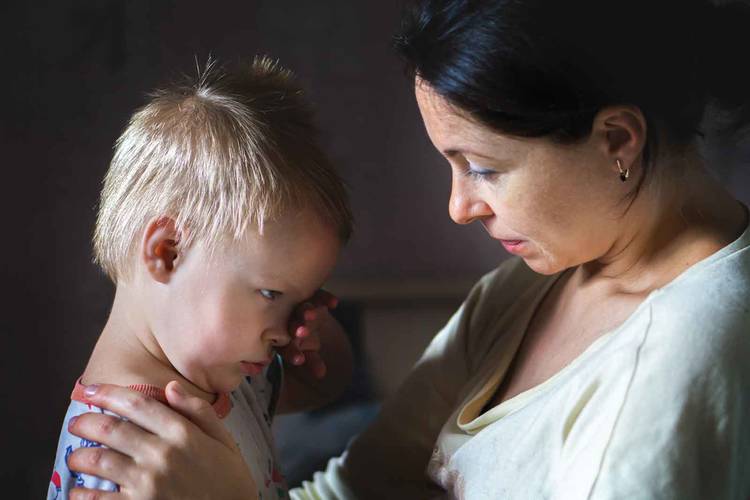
(73, 71)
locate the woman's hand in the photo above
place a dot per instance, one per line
(159, 453)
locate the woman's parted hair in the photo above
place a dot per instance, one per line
(544, 68)
(219, 153)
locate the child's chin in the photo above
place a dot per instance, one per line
(228, 386)
(226, 381)
(224, 384)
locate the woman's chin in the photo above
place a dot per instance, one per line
(541, 265)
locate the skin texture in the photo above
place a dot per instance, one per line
(568, 205)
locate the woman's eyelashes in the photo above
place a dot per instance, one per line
(476, 171)
(269, 295)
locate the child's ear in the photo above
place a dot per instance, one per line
(160, 248)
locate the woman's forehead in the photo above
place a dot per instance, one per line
(453, 130)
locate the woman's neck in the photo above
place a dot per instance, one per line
(675, 222)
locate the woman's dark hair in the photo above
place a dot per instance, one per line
(535, 68)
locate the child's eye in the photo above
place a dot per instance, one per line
(269, 294)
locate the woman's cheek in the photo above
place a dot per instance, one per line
(515, 201)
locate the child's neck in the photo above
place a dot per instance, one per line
(127, 352)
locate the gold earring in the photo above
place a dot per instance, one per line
(624, 174)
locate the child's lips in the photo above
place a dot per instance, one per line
(252, 368)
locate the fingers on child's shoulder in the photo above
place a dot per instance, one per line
(94, 426)
(121, 400)
(102, 462)
(146, 412)
(110, 431)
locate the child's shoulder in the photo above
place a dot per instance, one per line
(63, 479)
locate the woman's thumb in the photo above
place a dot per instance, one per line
(199, 412)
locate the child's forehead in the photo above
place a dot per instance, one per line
(290, 227)
(285, 243)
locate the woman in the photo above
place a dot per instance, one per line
(607, 361)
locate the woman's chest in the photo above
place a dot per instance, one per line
(511, 458)
(561, 329)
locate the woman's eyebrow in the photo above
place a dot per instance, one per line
(453, 152)
(450, 153)
(461, 149)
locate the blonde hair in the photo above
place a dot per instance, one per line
(228, 150)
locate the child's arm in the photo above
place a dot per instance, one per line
(326, 364)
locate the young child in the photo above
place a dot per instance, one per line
(218, 217)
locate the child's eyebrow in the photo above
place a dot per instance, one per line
(287, 285)
(302, 295)
(277, 283)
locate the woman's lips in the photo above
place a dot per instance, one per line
(513, 246)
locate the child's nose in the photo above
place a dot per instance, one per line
(278, 336)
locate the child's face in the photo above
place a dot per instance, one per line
(221, 315)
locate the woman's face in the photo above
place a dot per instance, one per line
(556, 206)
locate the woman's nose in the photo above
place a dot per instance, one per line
(465, 206)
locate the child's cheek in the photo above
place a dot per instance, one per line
(215, 343)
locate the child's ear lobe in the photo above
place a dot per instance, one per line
(160, 248)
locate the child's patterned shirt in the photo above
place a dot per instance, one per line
(247, 412)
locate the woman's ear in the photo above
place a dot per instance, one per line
(622, 132)
(160, 248)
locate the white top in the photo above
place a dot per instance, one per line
(657, 408)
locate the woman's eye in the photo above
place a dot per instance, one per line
(475, 170)
(269, 294)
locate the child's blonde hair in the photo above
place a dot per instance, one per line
(218, 154)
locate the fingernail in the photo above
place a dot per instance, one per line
(301, 332)
(72, 421)
(309, 315)
(178, 389)
(90, 390)
(299, 359)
